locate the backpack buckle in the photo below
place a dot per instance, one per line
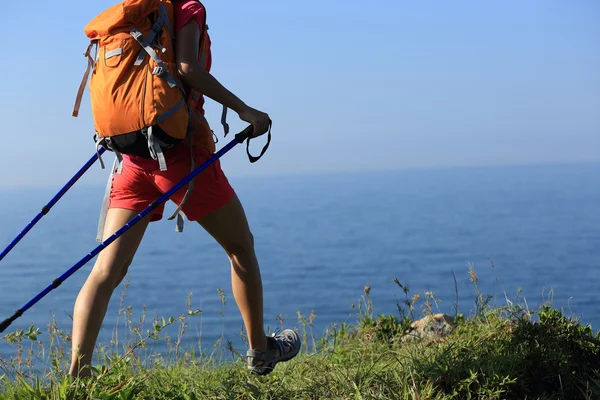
(159, 71)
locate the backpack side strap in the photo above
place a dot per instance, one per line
(81, 90)
(178, 212)
(154, 147)
(224, 121)
(116, 169)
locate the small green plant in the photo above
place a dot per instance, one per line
(20, 335)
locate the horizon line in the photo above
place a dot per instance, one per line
(351, 171)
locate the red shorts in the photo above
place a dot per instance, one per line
(134, 188)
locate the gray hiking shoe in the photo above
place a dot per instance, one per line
(281, 347)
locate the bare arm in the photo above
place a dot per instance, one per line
(192, 74)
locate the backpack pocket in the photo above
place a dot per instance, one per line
(112, 56)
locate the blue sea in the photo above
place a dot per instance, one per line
(320, 239)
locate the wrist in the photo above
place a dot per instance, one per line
(238, 106)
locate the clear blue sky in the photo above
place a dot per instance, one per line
(352, 85)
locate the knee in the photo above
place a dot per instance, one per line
(240, 245)
(110, 273)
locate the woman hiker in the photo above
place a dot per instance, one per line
(213, 204)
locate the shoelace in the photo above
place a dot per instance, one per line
(282, 341)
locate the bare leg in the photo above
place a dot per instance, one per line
(109, 270)
(229, 227)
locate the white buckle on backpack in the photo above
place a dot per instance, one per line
(160, 71)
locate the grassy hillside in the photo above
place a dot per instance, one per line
(508, 352)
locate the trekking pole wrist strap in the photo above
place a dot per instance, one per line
(246, 134)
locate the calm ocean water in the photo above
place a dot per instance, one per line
(320, 239)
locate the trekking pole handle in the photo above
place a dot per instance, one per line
(245, 134)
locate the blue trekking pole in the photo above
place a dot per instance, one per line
(239, 138)
(51, 203)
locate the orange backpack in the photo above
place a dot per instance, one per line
(135, 93)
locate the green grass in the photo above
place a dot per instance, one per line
(507, 352)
